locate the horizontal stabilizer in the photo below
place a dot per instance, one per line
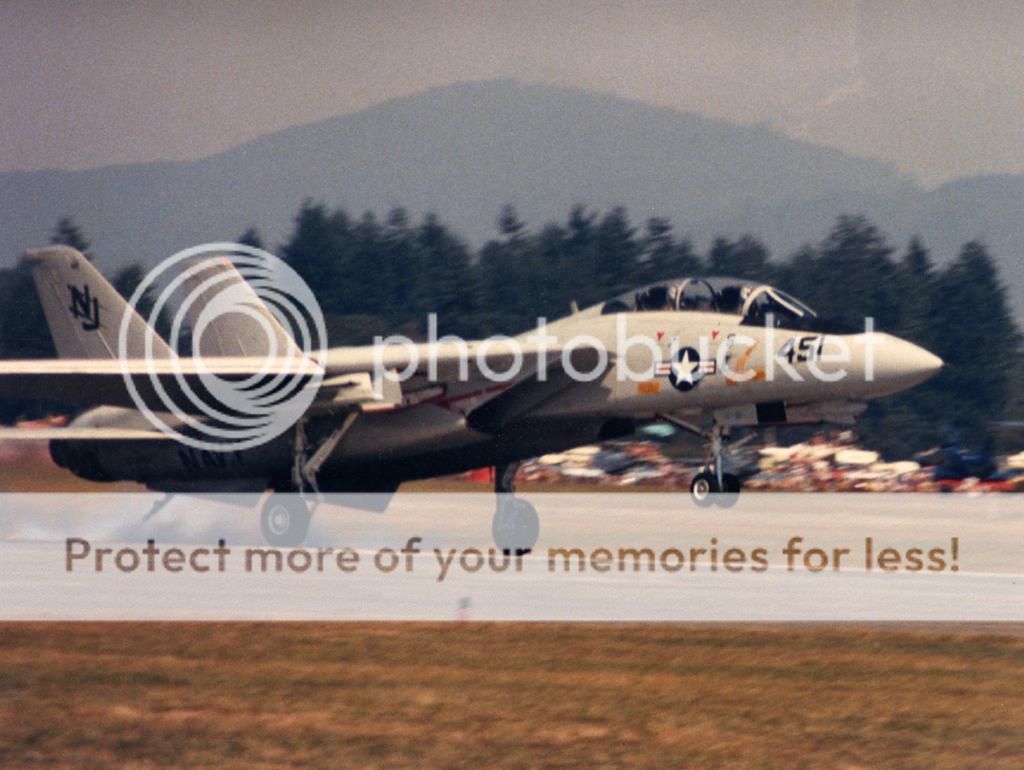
(103, 382)
(73, 433)
(347, 373)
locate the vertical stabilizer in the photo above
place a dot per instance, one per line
(227, 316)
(84, 312)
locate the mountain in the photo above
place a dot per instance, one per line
(464, 150)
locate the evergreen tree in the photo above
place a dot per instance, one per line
(551, 265)
(657, 249)
(979, 342)
(251, 237)
(616, 266)
(661, 257)
(915, 279)
(856, 279)
(126, 281)
(746, 258)
(68, 233)
(23, 334)
(504, 280)
(509, 224)
(449, 278)
(401, 272)
(317, 251)
(799, 276)
(371, 294)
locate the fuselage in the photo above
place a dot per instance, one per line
(688, 363)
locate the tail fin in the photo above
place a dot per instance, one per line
(229, 317)
(84, 312)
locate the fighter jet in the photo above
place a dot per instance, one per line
(704, 354)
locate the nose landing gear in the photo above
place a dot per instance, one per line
(706, 490)
(712, 486)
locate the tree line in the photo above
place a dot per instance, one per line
(376, 275)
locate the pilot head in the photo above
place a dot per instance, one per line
(729, 299)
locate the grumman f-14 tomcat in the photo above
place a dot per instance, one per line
(704, 354)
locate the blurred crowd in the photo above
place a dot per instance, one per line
(825, 462)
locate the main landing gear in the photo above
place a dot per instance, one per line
(284, 519)
(286, 515)
(712, 486)
(516, 525)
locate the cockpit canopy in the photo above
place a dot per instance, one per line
(752, 302)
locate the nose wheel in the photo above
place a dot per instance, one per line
(706, 490)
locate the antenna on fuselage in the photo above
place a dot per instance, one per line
(573, 307)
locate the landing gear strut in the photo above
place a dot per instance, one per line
(712, 486)
(516, 525)
(285, 517)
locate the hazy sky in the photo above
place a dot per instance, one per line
(935, 87)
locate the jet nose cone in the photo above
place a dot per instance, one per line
(904, 364)
(929, 362)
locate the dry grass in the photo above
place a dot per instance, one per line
(508, 695)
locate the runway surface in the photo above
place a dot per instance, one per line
(621, 557)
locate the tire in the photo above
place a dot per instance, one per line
(284, 520)
(515, 526)
(730, 494)
(703, 488)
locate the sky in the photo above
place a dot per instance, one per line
(934, 87)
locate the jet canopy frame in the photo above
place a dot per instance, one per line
(749, 300)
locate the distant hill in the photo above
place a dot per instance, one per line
(463, 151)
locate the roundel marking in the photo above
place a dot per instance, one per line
(685, 371)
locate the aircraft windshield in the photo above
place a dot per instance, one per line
(751, 301)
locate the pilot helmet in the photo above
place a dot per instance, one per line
(673, 294)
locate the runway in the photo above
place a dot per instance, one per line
(636, 557)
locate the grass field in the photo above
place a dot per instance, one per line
(508, 695)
